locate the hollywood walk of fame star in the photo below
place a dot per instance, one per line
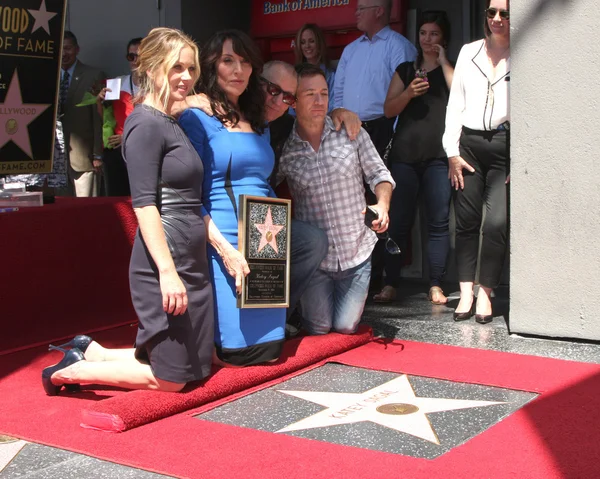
(392, 404)
(42, 17)
(15, 117)
(268, 232)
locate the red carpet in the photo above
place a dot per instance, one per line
(554, 436)
(136, 408)
(65, 270)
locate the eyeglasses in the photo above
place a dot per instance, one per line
(491, 13)
(359, 10)
(274, 90)
(132, 57)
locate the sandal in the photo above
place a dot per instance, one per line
(387, 295)
(434, 295)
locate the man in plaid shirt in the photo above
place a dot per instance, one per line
(325, 172)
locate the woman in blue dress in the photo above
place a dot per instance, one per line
(237, 159)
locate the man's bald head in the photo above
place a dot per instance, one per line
(284, 76)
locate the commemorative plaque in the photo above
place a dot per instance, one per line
(264, 240)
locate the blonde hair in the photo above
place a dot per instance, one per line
(158, 53)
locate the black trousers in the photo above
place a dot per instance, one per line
(115, 173)
(380, 130)
(487, 152)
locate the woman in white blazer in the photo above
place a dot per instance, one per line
(476, 141)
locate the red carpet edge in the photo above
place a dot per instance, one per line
(136, 408)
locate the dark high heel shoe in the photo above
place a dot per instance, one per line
(484, 318)
(466, 315)
(80, 342)
(71, 357)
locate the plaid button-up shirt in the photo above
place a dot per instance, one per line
(328, 191)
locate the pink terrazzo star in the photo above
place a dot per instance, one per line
(269, 232)
(15, 117)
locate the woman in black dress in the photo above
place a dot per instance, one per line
(169, 278)
(419, 93)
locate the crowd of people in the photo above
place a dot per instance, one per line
(198, 128)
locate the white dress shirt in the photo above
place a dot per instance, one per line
(479, 98)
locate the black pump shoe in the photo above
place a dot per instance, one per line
(466, 315)
(71, 357)
(80, 342)
(484, 318)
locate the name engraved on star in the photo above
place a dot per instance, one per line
(404, 411)
(365, 403)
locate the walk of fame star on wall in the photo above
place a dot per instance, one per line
(15, 117)
(42, 18)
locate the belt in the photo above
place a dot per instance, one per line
(376, 122)
(485, 133)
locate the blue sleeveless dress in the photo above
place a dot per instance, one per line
(235, 163)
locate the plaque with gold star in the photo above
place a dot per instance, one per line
(31, 34)
(264, 240)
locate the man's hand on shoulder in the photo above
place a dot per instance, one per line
(349, 119)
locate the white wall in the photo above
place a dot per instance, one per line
(555, 178)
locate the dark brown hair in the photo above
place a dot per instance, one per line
(252, 102)
(307, 70)
(440, 18)
(486, 26)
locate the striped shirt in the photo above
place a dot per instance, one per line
(328, 191)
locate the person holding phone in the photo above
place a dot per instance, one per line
(419, 93)
(477, 143)
(325, 171)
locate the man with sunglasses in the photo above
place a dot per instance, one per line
(324, 169)
(115, 170)
(280, 81)
(309, 243)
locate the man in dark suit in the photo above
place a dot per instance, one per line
(82, 125)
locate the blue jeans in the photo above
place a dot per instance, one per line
(432, 178)
(336, 300)
(309, 248)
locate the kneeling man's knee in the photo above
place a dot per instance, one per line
(345, 329)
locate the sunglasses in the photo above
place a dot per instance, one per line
(491, 13)
(274, 90)
(390, 245)
(132, 57)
